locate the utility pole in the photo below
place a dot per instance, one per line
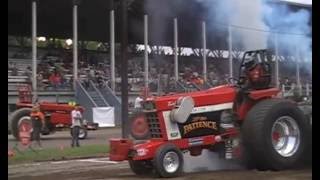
(124, 69)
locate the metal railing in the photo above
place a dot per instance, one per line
(99, 93)
(293, 89)
(179, 87)
(111, 98)
(190, 87)
(83, 98)
(207, 85)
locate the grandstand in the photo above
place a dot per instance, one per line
(94, 72)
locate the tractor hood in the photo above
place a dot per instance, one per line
(212, 96)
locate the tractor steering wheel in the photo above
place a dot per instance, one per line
(233, 81)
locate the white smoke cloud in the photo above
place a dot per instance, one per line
(254, 21)
(300, 1)
(209, 161)
(294, 36)
(241, 15)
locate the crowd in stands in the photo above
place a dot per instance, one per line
(55, 71)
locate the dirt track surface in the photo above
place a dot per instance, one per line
(102, 168)
(63, 138)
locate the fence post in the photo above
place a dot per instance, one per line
(300, 89)
(283, 89)
(307, 89)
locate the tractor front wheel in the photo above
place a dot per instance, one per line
(168, 161)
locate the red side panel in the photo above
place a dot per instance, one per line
(244, 109)
(149, 149)
(120, 148)
(217, 95)
(49, 106)
(23, 105)
(61, 118)
(259, 94)
(256, 96)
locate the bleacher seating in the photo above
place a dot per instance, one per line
(13, 81)
(21, 63)
(159, 65)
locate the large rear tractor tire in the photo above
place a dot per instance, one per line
(275, 134)
(139, 126)
(168, 161)
(18, 118)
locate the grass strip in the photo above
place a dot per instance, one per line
(49, 154)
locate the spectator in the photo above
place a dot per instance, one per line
(37, 119)
(28, 73)
(100, 80)
(55, 79)
(92, 74)
(11, 65)
(76, 125)
(14, 70)
(287, 81)
(137, 102)
(40, 80)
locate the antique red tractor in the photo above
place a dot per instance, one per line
(57, 115)
(245, 119)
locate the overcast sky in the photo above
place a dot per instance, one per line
(301, 1)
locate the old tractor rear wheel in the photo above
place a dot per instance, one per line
(20, 117)
(168, 161)
(139, 126)
(275, 133)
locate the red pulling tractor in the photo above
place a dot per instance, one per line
(244, 119)
(57, 115)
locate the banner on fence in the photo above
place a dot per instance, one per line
(104, 116)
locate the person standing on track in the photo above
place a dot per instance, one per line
(76, 125)
(37, 119)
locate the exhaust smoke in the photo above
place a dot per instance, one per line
(240, 15)
(254, 23)
(294, 37)
(209, 161)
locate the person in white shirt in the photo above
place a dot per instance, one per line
(76, 118)
(137, 102)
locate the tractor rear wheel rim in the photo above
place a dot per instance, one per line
(285, 136)
(171, 162)
(81, 133)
